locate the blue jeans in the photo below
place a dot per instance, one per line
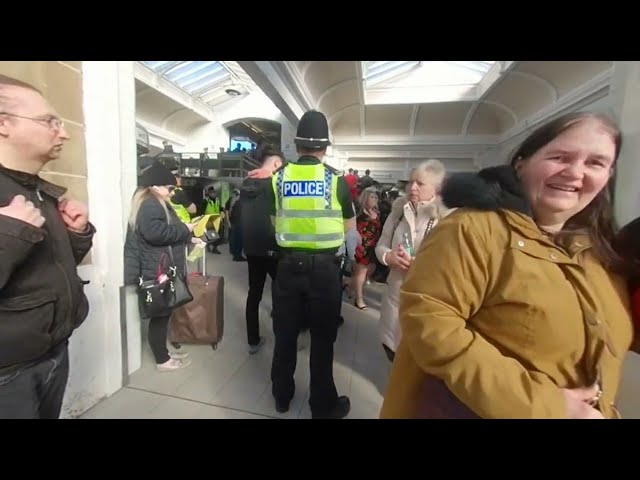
(36, 391)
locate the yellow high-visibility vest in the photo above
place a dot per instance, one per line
(308, 213)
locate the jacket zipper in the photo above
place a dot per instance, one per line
(40, 203)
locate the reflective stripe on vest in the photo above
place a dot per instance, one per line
(182, 212)
(308, 213)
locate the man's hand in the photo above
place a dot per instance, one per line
(74, 214)
(260, 173)
(24, 211)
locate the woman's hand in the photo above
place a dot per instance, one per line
(190, 226)
(576, 400)
(398, 260)
(197, 241)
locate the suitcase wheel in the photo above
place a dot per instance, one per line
(176, 345)
(214, 346)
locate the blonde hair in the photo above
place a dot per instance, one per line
(140, 195)
(364, 196)
(435, 172)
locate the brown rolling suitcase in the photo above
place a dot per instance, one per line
(200, 321)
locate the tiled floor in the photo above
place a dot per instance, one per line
(230, 383)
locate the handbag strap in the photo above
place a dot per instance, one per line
(174, 266)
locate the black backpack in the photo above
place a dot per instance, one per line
(254, 205)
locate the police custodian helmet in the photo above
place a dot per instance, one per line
(313, 130)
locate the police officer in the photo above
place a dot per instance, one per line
(312, 207)
(180, 202)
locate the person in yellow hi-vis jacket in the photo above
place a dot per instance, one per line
(213, 206)
(312, 207)
(180, 202)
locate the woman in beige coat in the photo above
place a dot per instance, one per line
(415, 215)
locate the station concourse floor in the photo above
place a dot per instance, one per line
(228, 383)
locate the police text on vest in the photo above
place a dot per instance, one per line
(303, 188)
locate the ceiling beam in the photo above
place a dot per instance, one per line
(270, 82)
(412, 121)
(298, 80)
(493, 77)
(160, 84)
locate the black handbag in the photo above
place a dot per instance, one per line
(166, 292)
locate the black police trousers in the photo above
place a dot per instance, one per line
(305, 291)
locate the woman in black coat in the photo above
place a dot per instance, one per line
(154, 231)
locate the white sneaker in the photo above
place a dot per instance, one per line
(172, 364)
(253, 349)
(179, 355)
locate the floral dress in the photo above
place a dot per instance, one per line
(370, 230)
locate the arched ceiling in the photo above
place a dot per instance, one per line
(422, 109)
(210, 82)
(177, 96)
(413, 98)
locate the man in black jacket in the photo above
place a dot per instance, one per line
(258, 233)
(43, 238)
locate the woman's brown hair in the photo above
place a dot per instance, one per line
(597, 217)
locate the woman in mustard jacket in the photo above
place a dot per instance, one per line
(511, 308)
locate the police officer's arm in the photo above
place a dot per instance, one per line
(180, 198)
(348, 210)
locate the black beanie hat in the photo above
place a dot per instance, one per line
(157, 175)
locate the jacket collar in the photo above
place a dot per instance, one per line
(34, 182)
(499, 189)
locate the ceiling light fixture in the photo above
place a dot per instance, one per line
(232, 92)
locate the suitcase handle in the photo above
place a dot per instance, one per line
(204, 260)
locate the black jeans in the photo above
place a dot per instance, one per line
(235, 241)
(158, 327)
(37, 391)
(306, 288)
(259, 268)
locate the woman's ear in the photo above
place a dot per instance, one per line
(517, 166)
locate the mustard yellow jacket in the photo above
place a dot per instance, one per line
(505, 319)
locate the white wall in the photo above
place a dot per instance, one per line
(95, 348)
(255, 105)
(212, 135)
(501, 153)
(625, 103)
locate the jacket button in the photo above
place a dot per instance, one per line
(593, 320)
(520, 243)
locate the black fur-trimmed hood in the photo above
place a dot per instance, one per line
(490, 189)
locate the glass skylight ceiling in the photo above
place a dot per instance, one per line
(410, 82)
(204, 80)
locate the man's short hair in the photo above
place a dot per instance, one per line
(6, 101)
(267, 151)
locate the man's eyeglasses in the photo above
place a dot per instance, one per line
(52, 122)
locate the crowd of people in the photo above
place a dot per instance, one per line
(511, 292)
